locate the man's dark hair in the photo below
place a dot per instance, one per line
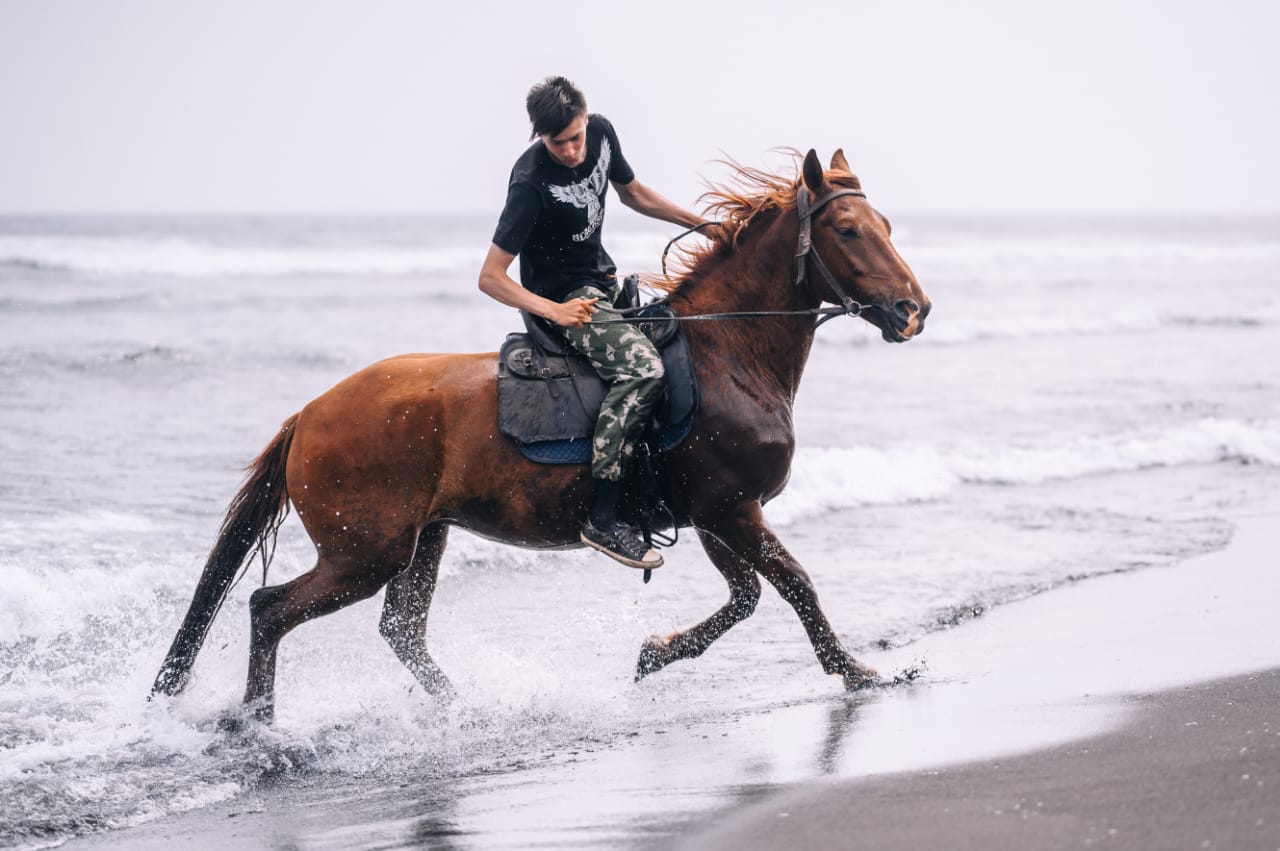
(552, 104)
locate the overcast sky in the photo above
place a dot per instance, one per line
(983, 105)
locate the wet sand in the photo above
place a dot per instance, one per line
(1178, 766)
(1123, 704)
(1196, 767)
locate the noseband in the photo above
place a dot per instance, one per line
(806, 250)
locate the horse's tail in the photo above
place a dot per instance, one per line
(252, 518)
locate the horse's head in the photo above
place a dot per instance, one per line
(845, 255)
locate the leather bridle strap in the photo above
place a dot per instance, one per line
(805, 250)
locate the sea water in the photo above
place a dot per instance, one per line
(1090, 396)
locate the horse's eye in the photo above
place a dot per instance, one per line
(851, 233)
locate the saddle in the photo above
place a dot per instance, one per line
(549, 396)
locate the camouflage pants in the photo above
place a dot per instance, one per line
(628, 360)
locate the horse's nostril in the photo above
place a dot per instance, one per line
(906, 307)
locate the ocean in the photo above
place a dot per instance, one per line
(1090, 396)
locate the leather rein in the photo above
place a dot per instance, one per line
(805, 250)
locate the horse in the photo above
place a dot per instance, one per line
(379, 467)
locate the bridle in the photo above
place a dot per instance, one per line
(806, 251)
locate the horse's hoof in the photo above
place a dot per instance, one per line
(859, 678)
(232, 722)
(169, 683)
(441, 690)
(655, 654)
(239, 719)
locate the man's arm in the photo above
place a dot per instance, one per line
(644, 200)
(497, 284)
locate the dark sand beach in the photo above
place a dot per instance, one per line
(1195, 767)
(1189, 765)
(1137, 710)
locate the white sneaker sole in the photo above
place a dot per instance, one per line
(646, 564)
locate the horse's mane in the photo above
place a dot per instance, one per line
(748, 195)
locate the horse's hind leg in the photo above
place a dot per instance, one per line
(404, 613)
(744, 593)
(335, 582)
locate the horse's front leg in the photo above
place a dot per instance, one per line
(749, 537)
(744, 593)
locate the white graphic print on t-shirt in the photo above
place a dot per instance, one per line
(586, 192)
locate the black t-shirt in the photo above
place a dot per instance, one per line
(554, 214)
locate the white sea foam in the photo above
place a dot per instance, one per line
(181, 257)
(637, 249)
(952, 330)
(832, 478)
(1060, 254)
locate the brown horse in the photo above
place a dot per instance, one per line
(379, 467)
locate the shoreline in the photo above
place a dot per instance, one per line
(1197, 766)
(1026, 682)
(1155, 697)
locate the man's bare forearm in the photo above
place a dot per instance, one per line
(646, 201)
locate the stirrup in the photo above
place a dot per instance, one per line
(621, 543)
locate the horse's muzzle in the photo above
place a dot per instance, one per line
(902, 321)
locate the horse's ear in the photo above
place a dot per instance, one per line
(839, 163)
(813, 174)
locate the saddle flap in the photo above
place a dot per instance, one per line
(542, 396)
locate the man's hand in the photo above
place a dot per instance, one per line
(573, 313)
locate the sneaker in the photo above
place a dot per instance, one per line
(622, 543)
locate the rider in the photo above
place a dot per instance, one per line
(552, 220)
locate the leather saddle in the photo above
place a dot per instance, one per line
(549, 396)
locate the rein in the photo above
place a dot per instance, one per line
(825, 312)
(805, 250)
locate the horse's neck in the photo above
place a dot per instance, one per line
(759, 275)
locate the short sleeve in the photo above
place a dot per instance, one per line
(518, 216)
(620, 171)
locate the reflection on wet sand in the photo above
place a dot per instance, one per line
(647, 791)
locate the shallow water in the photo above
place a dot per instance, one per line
(1089, 397)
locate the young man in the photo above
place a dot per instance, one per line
(552, 221)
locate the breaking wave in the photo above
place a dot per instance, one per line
(834, 478)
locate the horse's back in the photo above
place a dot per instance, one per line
(384, 434)
(413, 440)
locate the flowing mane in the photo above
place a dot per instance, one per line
(750, 193)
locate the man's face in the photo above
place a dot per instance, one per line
(569, 146)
